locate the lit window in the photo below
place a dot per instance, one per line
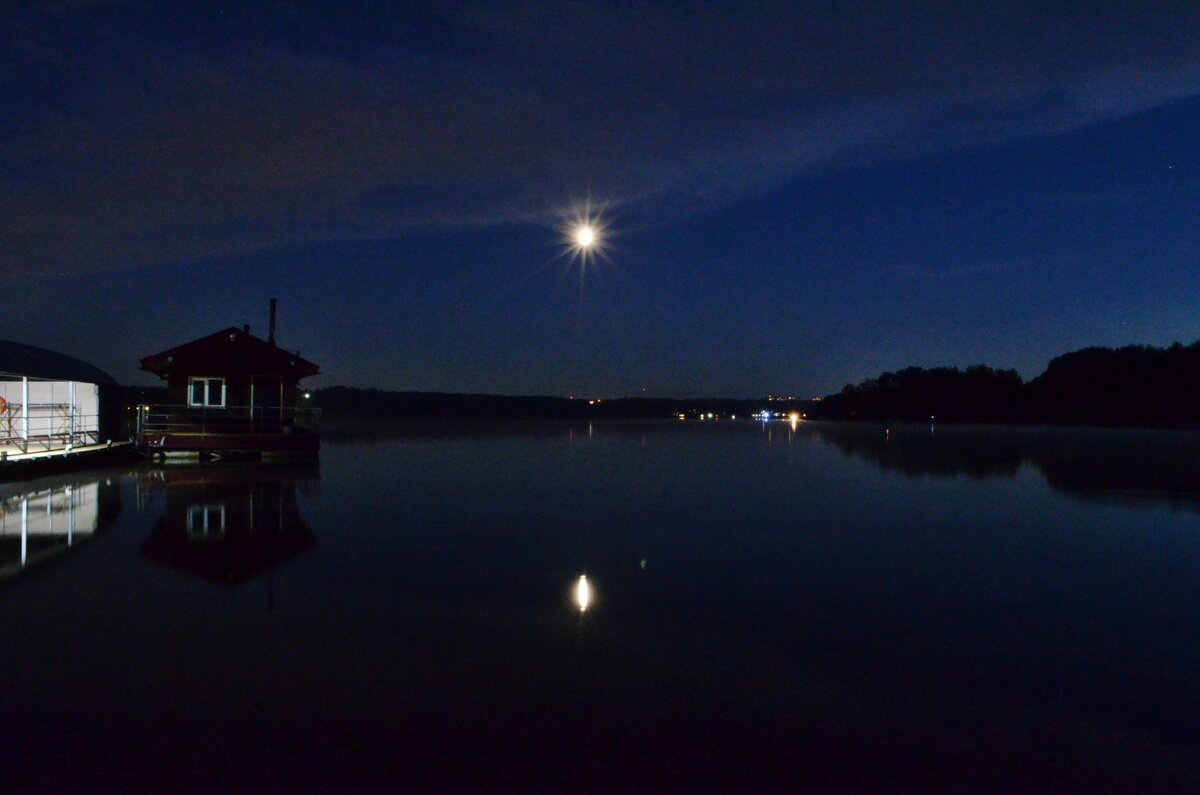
(207, 392)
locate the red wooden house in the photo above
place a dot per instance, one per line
(230, 392)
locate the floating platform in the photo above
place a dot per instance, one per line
(200, 446)
(18, 465)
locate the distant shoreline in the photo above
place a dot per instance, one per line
(1136, 386)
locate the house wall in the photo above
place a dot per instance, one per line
(245, 363)
(237, 388)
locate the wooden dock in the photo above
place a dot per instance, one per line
(18, 465)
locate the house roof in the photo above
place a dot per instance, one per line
(17, 358)
(212, 355)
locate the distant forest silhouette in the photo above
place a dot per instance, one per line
(1136, 385)
(343, 401)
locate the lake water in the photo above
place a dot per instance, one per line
(829, 608)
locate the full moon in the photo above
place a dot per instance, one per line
(585, 236)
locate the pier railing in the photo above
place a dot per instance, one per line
(47, 426)
(229, 420)
(40, 414)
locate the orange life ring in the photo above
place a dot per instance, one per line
(3, 405)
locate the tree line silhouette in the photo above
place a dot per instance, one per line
(1138, 385)
(1135, 385)
(344, 401)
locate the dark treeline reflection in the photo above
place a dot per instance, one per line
(765, 612)
(1135, 465)
(567, 431)
(1131, 465)
(228, 524)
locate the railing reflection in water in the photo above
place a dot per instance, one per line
(53, 518)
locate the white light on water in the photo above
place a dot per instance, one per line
(583, 593)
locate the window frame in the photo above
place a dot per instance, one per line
(207, 379)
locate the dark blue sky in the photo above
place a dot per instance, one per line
(795, 198)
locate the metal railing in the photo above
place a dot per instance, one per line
(153, 419)
(42, 415)
(46, 427)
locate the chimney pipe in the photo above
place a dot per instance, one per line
(271, 326)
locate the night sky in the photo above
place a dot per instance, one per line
(793, 196)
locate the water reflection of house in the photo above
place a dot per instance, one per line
(229, 524)
(39, 523)
(230, 393)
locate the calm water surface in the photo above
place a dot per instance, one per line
(825, 608)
